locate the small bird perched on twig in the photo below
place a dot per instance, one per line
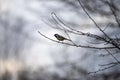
(61, 38)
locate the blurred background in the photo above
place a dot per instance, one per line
(26, 55)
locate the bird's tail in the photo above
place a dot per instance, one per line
(67, 39)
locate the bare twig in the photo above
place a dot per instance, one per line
(82, 46)
(109, 39)
(92, 19)
(106, 68)
(62, 26)
(113, 56)
(105, 39)
(108, 64)
(113, 12)
(65, 25)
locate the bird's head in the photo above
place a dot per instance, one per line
(56, 35)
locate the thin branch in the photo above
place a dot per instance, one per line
(95, 42)
(76, 31)
(92, 19)
(63, 22)
(106, 27)
(65, 25)
(110, 40)
(108, 64)
(113, 12)
(62, 26)
(82, 46)
(106, 68)
(113, 56)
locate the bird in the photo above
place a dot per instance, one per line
(60, 38)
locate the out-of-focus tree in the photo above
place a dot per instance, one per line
(95, 6)
(13, 36)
